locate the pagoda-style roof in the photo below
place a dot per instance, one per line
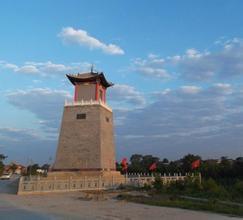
(89, 77)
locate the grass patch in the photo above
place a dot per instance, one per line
(175, 201)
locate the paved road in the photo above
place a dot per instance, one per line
(8, 211)
(9, 186)
(70, 206)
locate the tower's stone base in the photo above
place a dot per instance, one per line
(110, 177)
(62, 175)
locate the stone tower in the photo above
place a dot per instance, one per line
(86, 141)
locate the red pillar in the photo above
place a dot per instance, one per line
(97, 91)
(104, 95)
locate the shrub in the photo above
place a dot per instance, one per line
(210, 185)
(238, 188)
(1, 168)
(146, 186)
(158, 184)
(213, 189)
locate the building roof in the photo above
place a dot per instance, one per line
(89, 77)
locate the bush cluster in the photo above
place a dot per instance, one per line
(208, 188)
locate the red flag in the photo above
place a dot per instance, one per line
(195, 164)
(124, 164)
(153, 166)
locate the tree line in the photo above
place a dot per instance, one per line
(224, 169)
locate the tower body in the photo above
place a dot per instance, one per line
(86, 140)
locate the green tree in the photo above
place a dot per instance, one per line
(174, 167)
(238, 168)
(187, 162)
(162, 167)
(32, 169)
(225, 171)
(148, 160)
(2, 158)
(140, 163)
(136, 163)
(210, 169)
(118, 167)
(1, 168)
(136, 159)
(165, 160)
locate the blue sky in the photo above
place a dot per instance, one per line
(177, 68)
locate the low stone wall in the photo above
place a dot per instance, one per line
(45, 185)
(141, 180)
(38, 185)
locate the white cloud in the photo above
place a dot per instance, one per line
(223, 85)
(19, 134)
(193, 53)
(224, 62)
(6, 65)
(150, 71)
(46, 104)
(45, 68)
(81, 37)
(15, 68)
(50, 67)
(227, 62)
(224, 88)
(191, 89)
(174, 59)
(123, 95)
(27, 69)
(152, 66)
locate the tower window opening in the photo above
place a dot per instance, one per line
(81, 116)
(107, 119)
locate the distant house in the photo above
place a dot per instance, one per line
(7, 169)
(20, 169)
(14, 168)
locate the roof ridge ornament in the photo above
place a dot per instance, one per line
(92, 68)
